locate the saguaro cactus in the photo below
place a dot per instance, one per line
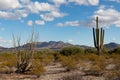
(98, 36)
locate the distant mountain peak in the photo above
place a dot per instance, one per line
(111, 45)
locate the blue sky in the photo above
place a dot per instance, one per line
(59, 20)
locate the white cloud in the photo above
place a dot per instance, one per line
(30, 23)
(70, 41)
(47, 17)
(9, 4)
(5, 43)
(52, 15)
(22, 13)
(37, 7)
(39, 22)
(69, 23)
(59, 2)
(108, 17)
(9, 15)
(85, 2)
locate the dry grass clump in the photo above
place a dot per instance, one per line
(7, 63)
(38, 68)
(112, 75)
(70, 62)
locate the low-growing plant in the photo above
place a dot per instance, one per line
(90, 50)
(112, 75)
(38, 68)
(69, 62)
(71, 50)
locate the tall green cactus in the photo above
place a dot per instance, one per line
(98, 36)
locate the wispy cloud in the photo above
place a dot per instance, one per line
(39, 22)
(85, 2)
(69, 23)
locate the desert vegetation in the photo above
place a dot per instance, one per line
(68, 63)
(79, 65)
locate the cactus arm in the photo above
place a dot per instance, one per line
(94, 37)
(97, 37)
(103, 37)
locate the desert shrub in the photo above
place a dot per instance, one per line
(71, 50)
(112, 75)
(56, 56)
(98, 63)
(45, 51)
(116, 61)
(105, 51)
(90, 50)
(8, 63)
(38, 68)
(72, 77)
(115, 51)
(47, 59)
(91, 57)
(6, 56)
(69, 62)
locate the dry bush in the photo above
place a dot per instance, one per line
(8, 63)
(24, 54)
(69, 62)
(97, 65)
(116, 61)
(112, 75)
(48, 59)
(45, 58)
(38, 68)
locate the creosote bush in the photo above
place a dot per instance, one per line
(69, 62)
(90, 50)
(38, 67)
(71, 50)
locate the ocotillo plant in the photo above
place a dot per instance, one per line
(98, 36)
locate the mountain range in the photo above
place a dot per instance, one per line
(60, 44)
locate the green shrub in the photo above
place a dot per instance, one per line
(116, 51)
(71, 50)
(90, 50)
